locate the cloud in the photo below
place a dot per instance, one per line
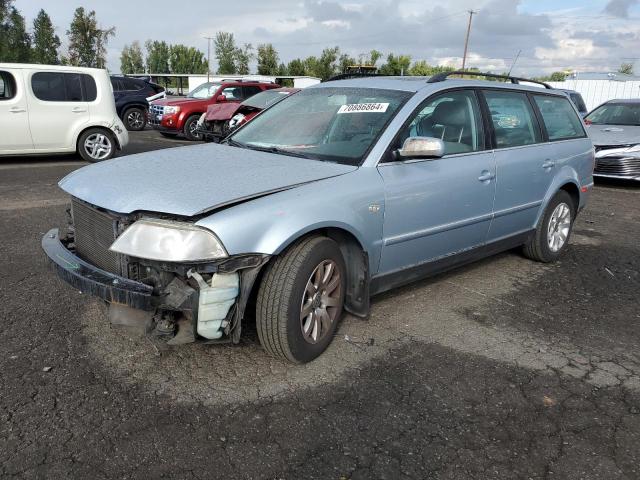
(620, 8)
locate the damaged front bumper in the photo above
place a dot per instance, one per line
(94, 281)
(210, 300)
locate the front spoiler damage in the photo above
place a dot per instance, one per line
(94, 281)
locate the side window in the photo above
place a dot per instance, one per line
(90, 90)
(115, 83)
(513, 119)
(131, 85)
(559, 118)
(63, 87)
(7, 86)
(453, 117)
(232, 93)
(250, 91)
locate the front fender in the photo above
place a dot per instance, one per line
(353, 202)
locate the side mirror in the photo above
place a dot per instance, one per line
(421, 147)
(221, 98)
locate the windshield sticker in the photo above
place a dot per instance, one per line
(363, 107)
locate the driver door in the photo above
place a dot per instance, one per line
(440, 206)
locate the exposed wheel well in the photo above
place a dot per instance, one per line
(573, 192)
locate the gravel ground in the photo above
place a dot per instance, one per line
(503, 369)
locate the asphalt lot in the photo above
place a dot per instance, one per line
(502, 369)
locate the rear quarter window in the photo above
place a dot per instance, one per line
(63, 87)
(7, 86)
(559, 117)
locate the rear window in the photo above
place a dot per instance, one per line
(576, 98)
(7, 86)
(63, 87)
(559, 118)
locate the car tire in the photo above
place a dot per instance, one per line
(135, 119)
(552, 234)
(96, 145)
(190, 127)
(293, 285)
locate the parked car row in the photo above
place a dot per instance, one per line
(336, 193)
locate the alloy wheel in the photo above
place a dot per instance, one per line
(98, 146)
(321, 302)
(135, 119)
(559, 226)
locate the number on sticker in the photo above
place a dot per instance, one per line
(363, 107)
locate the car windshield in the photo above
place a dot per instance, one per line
(206, 90)
(616, 114)
(331, 124)
(266, 99)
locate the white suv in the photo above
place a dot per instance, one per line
(58, 109)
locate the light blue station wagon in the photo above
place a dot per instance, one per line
(342, 191)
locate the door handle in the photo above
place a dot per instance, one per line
(486, 176)
(78, 110)
(548, 164)
(17, 110)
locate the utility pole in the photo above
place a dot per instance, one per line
(208, 56)
(466, 40)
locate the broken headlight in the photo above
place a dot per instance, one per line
(168, 241)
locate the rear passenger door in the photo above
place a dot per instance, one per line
(15, 136)
(525, 164)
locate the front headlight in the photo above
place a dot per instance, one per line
(170, 110)
(168, 241)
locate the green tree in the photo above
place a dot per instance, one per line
(344, 62)
(15, 42)
(396, 65)
(131, 59)
(157, 56)
(183, 59)
(225, 52)
(325, 66)
(267, 60)
(626, 68)
(243, 56)
(296, 67)
(371, 59)
(45, 40)
(87, 41)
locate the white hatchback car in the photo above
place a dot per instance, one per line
(58, 109)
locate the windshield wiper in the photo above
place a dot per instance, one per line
(281, 151)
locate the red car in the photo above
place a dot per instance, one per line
(223, 118)
(174, 116)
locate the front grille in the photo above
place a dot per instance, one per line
(95, 231)
(155, 114)
(619, 166)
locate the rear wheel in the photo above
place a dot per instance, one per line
(96, 144)
(552, 234)
(301, 299)
(135, 119)
(191, 128)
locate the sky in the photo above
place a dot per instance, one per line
(581, 35)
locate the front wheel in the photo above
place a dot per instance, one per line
(96, 144)
(191, 128)
(301, 299)
(553, 231)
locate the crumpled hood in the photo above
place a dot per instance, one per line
(614, 134)
(221, 111)
(191, 180)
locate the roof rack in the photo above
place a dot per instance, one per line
(441, 77)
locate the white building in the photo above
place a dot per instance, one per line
(597, 88)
